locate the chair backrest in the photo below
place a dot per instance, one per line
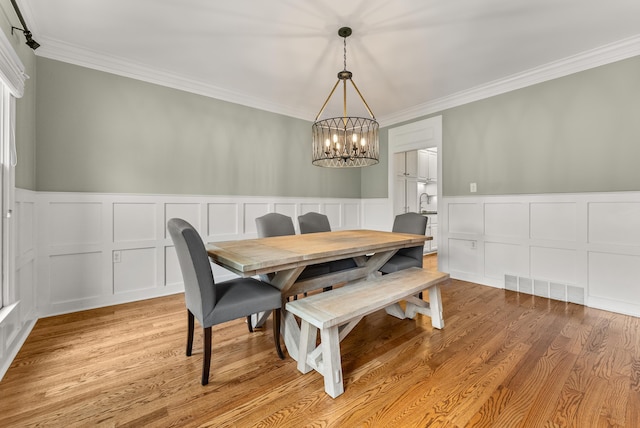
(411, 223)
(314, 222)
(274, 224)
(199, 290)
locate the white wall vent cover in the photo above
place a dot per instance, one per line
(543, 288)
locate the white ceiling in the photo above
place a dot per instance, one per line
(283, 55)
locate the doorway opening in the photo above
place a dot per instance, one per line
(415, 172)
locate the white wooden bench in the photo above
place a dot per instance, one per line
(337, 312)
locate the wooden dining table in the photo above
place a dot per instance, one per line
(282, 259)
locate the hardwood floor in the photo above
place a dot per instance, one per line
(503, 360)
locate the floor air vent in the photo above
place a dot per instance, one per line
(542, 288)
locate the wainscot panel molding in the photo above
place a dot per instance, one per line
(580, 248)
(377, 214)
(103, 249)
(18, 318)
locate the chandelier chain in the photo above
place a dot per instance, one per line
(345, 53)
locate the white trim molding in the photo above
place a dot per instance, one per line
(61, 51)
(617, 51)
(622, 49)
(17, 320)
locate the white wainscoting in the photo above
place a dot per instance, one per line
(18, 318)
(581, 248)
(103, 249)
(377, 214)
(77, 251)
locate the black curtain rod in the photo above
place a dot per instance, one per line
(24, 24)
(27, 34)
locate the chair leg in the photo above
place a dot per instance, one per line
(249, 325)
(206, 361)
(276, 332)
(190, 325)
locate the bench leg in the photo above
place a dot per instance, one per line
(308, 334)
(332, 365)
(396, 310)
(416, 305)
(435, 302)
(291, 334)
(432, 308)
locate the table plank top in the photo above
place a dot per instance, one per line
(265, 255)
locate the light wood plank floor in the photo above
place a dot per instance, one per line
(503, 360)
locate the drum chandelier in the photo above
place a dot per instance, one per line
(346, 141)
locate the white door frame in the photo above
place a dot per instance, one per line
(415, 136)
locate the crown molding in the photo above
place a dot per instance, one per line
(622, 49)
(61, 51)
(607, 54)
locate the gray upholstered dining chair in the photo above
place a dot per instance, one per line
(313, 222)
(213, 303)
(407, 257)
(275, 224)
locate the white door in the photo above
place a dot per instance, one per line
(411, 196)
(399, 196)
(411, 163)
(432, 160)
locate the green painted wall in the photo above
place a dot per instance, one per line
(25, 106)
(99, 132)
(374, 178)
(579, 133)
